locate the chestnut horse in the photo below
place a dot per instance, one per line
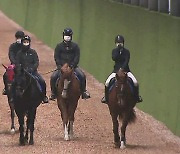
(9, 79)
(68, 94)
(121, 104)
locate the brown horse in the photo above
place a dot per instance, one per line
(9, 80)
(68, 94)
(121, 103)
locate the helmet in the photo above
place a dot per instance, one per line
(19, 34)
(67, 32)
(26, 37)
(119, 39)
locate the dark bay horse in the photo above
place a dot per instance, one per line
(27, 97)
(121, 104)
(9, 81)
(68, 94)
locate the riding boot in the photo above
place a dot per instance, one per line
(53, 91)
(45, 98)
(4, 92)
(85, 93)
(137, 96)
(105, 98)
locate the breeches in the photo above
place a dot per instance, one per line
(57, 74)
(113, 75)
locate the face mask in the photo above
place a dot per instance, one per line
(25, 46)
(18, 41)
(119, 44)
(26, 43)
(67, 38)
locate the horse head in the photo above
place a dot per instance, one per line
(21, 81)
(66, 74)
(121, 81)
(10, 75)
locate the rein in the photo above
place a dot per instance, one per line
(50, 71)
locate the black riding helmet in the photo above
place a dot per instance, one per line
(119, 39)
(67, 32)
(19, 34)
(26, 37)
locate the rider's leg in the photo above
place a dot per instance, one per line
(105, 97)
(136, 85)
(85, 93)
(43, 86)
(53, 80)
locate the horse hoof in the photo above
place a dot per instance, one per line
(22, 143)
(12, 131)
(117, 145)
(123, 145)
(31, 142)
(66, 138)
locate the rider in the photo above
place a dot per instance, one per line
(28, 58)
(13, 50)
(121, 56)
(67, 52)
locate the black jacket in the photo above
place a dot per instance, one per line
(67, 53)
(13, 50)
(121, 56)
(28, 59)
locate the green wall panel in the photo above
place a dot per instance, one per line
(152, 38)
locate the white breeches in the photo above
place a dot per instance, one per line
(113, 75)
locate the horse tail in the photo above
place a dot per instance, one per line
(131, 116)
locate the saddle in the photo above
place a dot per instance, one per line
(130, 82)
(76, 75)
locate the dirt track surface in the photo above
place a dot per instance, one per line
(92, 127)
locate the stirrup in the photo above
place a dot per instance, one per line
(85, 95)
(139, 99)
(45, 100)
(4, 92)
(103, 100)
(52, 97)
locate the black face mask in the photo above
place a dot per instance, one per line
(25, 48)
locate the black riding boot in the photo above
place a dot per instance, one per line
(137, 96)
(85, 93)
(4, 92)
(53, 91)
(105, 98)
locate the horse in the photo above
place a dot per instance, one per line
(9, 80)
(68, 94)
(121, 104)
(27, 97)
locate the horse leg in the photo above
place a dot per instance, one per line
(116, 130)
(71, 133)
(21, 129)
(27, 128)
(32, 116)
(65, 124)
(123, 131)
(71, 112)
(11, 105)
